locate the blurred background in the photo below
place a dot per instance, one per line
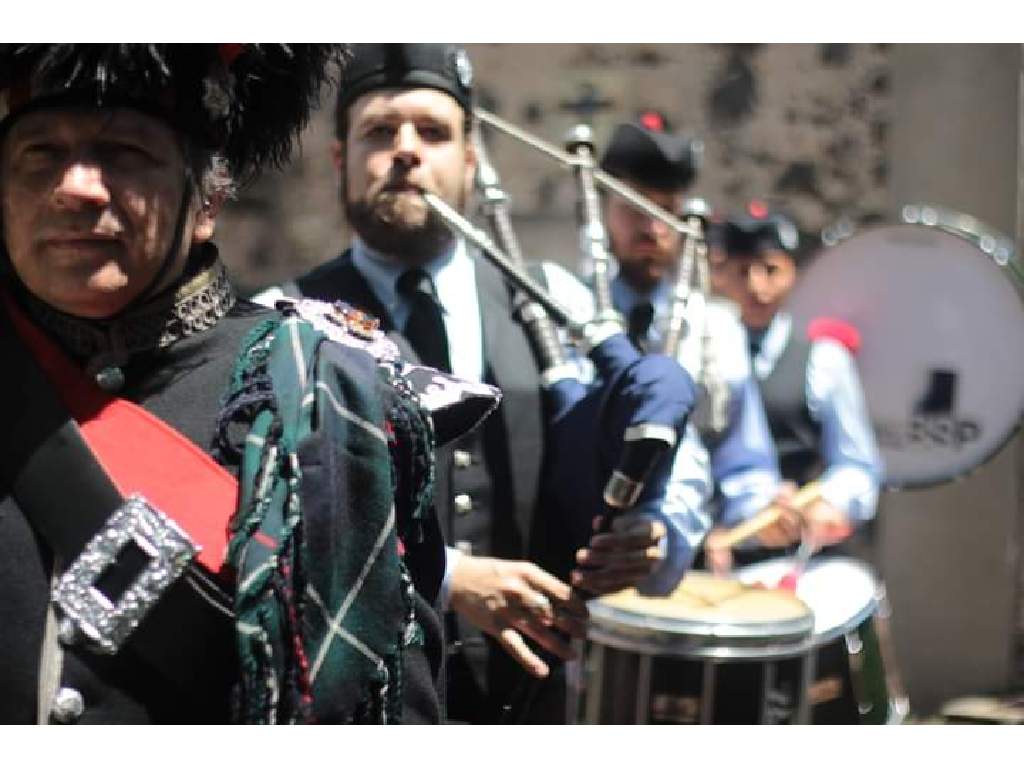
(830, 133)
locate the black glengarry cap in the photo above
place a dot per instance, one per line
(646, 152)
(758, 229)
(374, 66)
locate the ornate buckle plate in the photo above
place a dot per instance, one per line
(169, 550)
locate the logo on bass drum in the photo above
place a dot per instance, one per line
(935, 421)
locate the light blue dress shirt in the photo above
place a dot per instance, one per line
(454, 277)
(853, 465)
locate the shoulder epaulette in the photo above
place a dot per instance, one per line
(836, 330)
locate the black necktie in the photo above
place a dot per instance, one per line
(639, 322)
(425, 327)
(754, 341)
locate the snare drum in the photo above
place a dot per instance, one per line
(855, 676)
(715, 651)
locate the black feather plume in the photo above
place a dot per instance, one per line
(248, 102)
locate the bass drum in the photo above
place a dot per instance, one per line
(936, 302)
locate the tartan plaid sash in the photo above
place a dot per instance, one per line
(324, 602)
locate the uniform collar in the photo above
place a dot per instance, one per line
(202, 296)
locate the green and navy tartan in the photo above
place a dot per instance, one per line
(324, 603)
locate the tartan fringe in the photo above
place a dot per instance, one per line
(275, 670)
(411, 443)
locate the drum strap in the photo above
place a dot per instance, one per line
(67, 460)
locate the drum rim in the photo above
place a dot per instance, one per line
(1013, 272)
(946, 220)
(801, 645)
(862, 614)
(728, 637)
(969, 228)
(855, 622)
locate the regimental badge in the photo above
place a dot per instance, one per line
(788, 235)
(343, 324)
(697, 153)
(463, 69)
(355, 321)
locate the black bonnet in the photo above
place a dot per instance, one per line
(758, 229)
(374, 66)
(248, 102)
(646, 152)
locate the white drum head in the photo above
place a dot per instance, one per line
(941, 359)
(840, 591)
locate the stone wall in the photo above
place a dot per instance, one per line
(803, 126)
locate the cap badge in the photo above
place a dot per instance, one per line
(463, 69)
(787, 235)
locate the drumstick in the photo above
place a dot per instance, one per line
(741, 532)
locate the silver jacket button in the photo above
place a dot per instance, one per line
(68, 706)
(463, 503)
(462, 459)
(110, 379)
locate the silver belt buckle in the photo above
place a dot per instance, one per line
(90, 611)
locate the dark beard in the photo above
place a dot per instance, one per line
(390, 236)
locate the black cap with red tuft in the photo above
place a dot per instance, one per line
(648, 153)
(757, 229)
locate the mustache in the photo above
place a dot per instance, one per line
(89, 226)
(401, 186)
(398, 180)
(644, 239)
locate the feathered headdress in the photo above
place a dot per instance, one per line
(248, 102)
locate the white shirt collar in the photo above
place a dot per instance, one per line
(382, 272)
(776, 337)
(454, 276)
(625, 296)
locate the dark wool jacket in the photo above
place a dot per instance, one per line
(182, 385)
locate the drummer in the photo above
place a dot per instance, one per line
(808, 381)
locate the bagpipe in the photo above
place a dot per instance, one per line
(611, 440)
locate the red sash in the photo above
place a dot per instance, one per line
(141, 453)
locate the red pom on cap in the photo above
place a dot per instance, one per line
(229, 52)
(653, 121)
(757, 209)
(836, 330)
